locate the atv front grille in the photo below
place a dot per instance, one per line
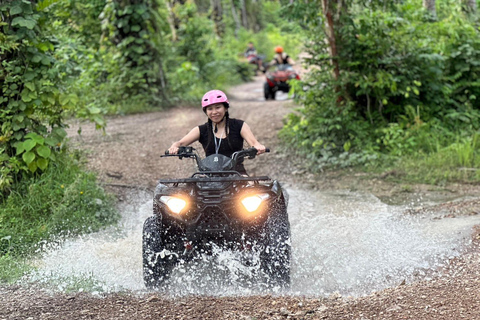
(213, 196)
(213, 220)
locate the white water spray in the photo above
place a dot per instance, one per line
(348, 243)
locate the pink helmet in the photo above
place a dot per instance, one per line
(213, 97)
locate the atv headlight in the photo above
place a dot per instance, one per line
(252, 203)
(175, 204)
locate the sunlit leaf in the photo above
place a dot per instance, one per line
(29, 144)
(28, 157)
(43, 151)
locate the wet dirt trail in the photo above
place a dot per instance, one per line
(355, 255)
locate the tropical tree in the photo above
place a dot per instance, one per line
(429, 5)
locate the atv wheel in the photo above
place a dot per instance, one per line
(275, 259)
(157, 263)
(267, 91)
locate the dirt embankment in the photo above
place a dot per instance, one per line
(128, 157)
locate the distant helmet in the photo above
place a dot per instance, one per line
(278, 49)
(213, 97)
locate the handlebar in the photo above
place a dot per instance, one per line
(190, 152)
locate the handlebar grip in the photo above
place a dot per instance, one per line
(167, 152)
(267, 150)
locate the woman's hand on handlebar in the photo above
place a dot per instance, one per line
(260, 148)
(173, 149)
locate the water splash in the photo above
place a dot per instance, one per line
(354, 244)
(343, 242)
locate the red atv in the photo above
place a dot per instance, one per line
(277, 80)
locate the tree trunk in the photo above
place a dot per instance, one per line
(217, 17)
(430, 6)
(244, 14)
(235, 18)
(330, 36)
(470, 7)
(171, 21)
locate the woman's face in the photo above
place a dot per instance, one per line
(216, 112)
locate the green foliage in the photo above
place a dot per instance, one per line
(136, 32)
(64, 201)
(457, 162)
(33, 101)
(12, 268)
(408, 85)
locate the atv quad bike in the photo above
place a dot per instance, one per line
(217, 205)
(277, 80)
(258, 60)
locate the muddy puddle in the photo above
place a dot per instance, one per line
(342, 242)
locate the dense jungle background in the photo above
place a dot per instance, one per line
(390, 88)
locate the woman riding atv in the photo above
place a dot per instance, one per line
(221, 134)
(281, 57)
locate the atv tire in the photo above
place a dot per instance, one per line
(275, 258)
(157, 264)
(268, 92)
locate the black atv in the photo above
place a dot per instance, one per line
(217, 206)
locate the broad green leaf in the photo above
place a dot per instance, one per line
(28, 157)
(98, 119)
(42, 163)
(50, 141)
(94, 110)
(32, 166)
(18, 135)
(59, 132)
(46, 61)
(43, 151)
(30, 85)
(35, 137)
(22, 22)
(15, 126)
(16, 10)
(73, 98)
(19, 118)
(138, 49)
(26, 96)
(140, 10)
(27, 7)
(20, 148)
(29, 75)
(29, 144)
(64, 99)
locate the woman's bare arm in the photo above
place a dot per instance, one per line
(248, 135)
(188, 139)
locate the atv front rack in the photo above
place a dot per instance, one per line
(216, 178)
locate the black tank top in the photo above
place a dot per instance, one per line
(227, 146)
